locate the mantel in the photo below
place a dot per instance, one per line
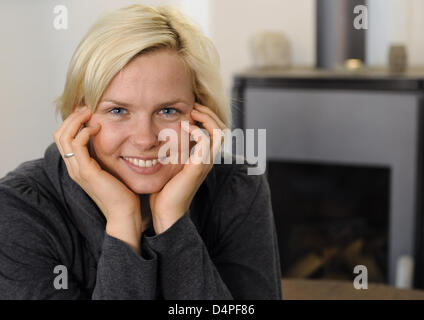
(307, 77)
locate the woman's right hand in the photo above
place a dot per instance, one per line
(118, 203)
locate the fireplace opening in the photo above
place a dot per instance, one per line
(330, 218)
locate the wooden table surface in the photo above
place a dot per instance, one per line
(305, 289)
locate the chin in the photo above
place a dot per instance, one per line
(145, 187)
(147, 184)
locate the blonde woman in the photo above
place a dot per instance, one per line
(101, 216)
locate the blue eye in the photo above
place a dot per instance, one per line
(118, 109)
(168, 111)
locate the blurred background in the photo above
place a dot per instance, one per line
(338, 84)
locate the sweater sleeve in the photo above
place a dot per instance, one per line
(247, 253)
(124, 274)
(33, 244)
(244, 264)
(186, 271)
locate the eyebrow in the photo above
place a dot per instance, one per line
(129, 105)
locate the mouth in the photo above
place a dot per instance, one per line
(143, 163)
(142, 166)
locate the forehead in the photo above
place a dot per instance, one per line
(152, 76)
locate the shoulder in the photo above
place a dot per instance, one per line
(23, 184)
(32, 237)
(239, 196)
(26, 202)
(240, 205)
(233, 181)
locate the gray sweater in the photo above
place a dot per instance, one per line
(224, 247)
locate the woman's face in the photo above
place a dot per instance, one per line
(153, 92)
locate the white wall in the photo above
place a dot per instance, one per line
(34, 56)
(395, 21)
(235, 21)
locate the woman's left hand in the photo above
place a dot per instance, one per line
(172, 202)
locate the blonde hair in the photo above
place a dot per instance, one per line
(118, 37)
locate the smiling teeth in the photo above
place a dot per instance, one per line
(141, 163)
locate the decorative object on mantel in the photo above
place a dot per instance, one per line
(270, 49)
(398, 58)
(353, 64)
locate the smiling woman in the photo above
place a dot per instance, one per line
(104, 206)
(153, 92)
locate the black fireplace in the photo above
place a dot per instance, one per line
(331, 218)
(345, 162)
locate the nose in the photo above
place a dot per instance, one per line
(143, 133)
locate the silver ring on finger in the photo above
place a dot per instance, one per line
(68, 155)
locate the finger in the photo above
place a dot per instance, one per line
(202, 145)
(199, 167)
(79, 146)
(212, 114)
(80, 162)
(210, 124)
(206, 120)
(67, 121)
(64, 137)
(71, 129)
(197, 133)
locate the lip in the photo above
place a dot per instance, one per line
(139, 170)
(140, 158)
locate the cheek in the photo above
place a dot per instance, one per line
(108, 139)
(176, 126)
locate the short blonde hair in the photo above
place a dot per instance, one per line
(119, 36)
